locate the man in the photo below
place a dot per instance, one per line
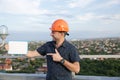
(62, 57)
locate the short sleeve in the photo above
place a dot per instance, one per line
(42, 50)
(74, 55)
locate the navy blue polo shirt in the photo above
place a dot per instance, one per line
(56, 70)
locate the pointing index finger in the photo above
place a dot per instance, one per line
(56, 50)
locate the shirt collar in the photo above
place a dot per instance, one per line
(63, 44)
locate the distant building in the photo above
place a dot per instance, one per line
(6, 65)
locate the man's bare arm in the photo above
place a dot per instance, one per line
(74, 67)
(32, 54)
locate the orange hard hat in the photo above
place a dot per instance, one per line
(60, 25)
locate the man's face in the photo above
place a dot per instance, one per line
(55, 35)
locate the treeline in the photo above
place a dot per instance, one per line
(108, 67)
(26, 65)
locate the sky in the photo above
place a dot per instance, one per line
(30, 20)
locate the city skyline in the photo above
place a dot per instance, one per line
(86, 18)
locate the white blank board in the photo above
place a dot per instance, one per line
(18, 47)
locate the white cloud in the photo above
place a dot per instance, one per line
(80, 3)
(106, 19)
(117, 17)
(112, 2)
(21, 7)
(105, 4)
(86, 17)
